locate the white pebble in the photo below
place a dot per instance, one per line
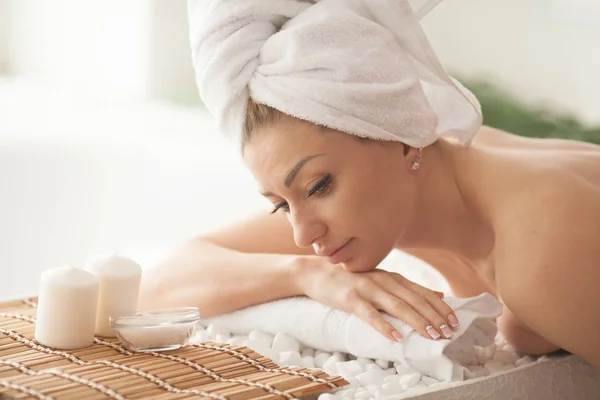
(427, 380)
(341, 356)
(362, 394)
(353, 382)
(372, 377)
(392, 388)
(350, 369)
(200, 337)
(236, 340)
(372, 367)
(499, 339)
(372, 388)
(346, 393)
(391, 371)
(308, 362)
(392, 379)
(524, 361)
(308, 352)
(329, 396)
(364, 361)
(481, 357)
(506, 357)
(222, 338)
(509, 348)
(404, 370)
(263, 337)
(214, 330)
(290, 358)
(320, 359)
(381, 395)
(410, 380)
(331, 365)
(260, 348)
(285, 342)
(464, 357)
(384, 364)
(489, 351)
(256, 345)
(494, 367)
(475, 371)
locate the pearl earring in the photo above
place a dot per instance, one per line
(415, 165)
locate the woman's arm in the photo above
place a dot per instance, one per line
(251, 262)
(219, 280)
(257, 261)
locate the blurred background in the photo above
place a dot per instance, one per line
(105, 146)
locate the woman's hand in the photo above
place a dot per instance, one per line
(365, 294)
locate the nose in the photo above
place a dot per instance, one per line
(307, 229)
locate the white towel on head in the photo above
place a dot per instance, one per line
(360, 66)
(325, 328)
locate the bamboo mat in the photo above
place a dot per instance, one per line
(106, 370)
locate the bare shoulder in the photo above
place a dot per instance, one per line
(548, 263)
(552, 210)
(498, 139)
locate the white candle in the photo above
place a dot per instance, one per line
(66, 314)
(119, 289)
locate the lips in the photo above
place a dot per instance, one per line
(334, 254)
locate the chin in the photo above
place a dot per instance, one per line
(357, 264)
(355, 267)
(368, 262)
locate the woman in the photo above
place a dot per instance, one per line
(493, 212)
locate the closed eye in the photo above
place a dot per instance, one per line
(283, 206)
(321, 186)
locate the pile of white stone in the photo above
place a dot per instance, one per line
(369, 379)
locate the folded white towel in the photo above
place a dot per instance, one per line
(328, 329)
(360, 66)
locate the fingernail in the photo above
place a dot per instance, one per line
(432, 332)
(397, 335)
(446, 331)
(453, 320)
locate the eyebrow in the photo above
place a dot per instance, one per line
(295, 170)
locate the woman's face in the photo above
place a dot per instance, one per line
(349, 199)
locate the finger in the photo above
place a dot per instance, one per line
(412, 309)
(436, 325)
(365, 311)
(441, 307)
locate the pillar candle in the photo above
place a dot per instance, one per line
(119, 289)
(67, 306)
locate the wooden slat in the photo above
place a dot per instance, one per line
(106, 370)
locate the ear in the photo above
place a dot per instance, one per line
(406, 149)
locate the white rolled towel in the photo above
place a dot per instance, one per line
(363, 67)
(324, 328)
